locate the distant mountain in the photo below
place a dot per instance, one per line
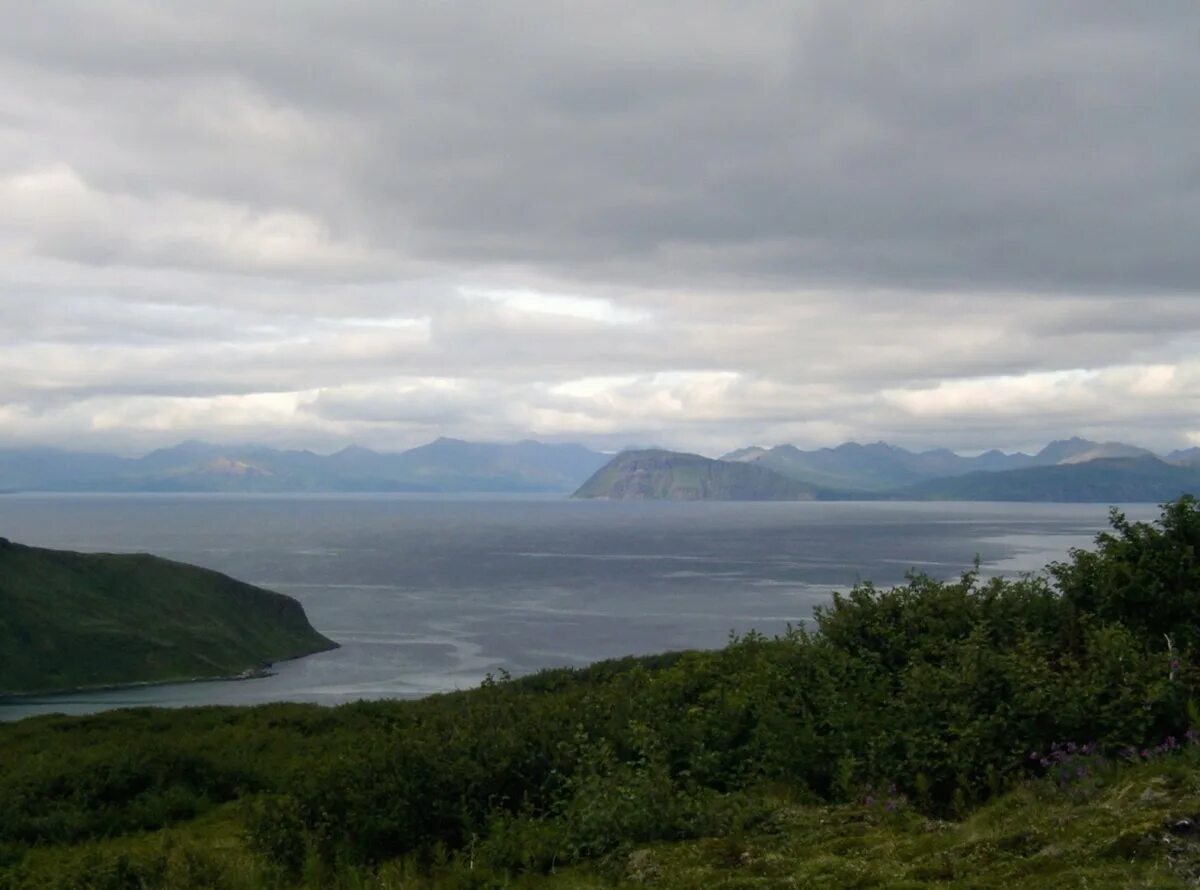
(671, 475)
(34, 468)
(880, 467)
(1100, 480)
(74, 620)
(1187, 456)
(455, 465)
(874, 467)
(1076, 450)
(667, 475)
(443, 465)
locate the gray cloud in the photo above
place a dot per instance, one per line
(945, 223)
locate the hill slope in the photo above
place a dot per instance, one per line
(71, 620)
(674, 476)
(1103, 480)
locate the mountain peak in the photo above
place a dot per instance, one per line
(1079, 450)
(355, 451)
(187, 446)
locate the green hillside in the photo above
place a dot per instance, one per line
(1104, 481)
(72, 620)
(1042, 732)
(670, 475)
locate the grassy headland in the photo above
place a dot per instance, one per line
(73, 620)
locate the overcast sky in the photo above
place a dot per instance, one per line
(692, 224)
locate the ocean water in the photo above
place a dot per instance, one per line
(428, 594)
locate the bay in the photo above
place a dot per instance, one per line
(429, 594)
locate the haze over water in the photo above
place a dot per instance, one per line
(429, 594)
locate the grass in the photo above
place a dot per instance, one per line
(1133, 827)
(1136, 827)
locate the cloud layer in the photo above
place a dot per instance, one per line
(945, 223)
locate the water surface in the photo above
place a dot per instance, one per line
(430, 593)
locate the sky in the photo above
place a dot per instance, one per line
(696, 225)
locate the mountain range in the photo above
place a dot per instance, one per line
(850, 470)
(1069, 470)
(1107, 480)
(445, 465)
(883, 467)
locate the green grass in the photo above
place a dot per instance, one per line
(71, 620)
(1134, 827)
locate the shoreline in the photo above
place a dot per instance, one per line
(33, 698)
(13, 699)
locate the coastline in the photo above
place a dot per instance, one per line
(251, 673)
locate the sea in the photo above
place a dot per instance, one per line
(428, 594)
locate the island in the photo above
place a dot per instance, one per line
(71, 621)
(656, 474)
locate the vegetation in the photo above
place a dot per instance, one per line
(72, 620)
(670, 475)
(1037, 732)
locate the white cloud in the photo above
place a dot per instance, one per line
(52, 211)
(701, 227)
(537, 302)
